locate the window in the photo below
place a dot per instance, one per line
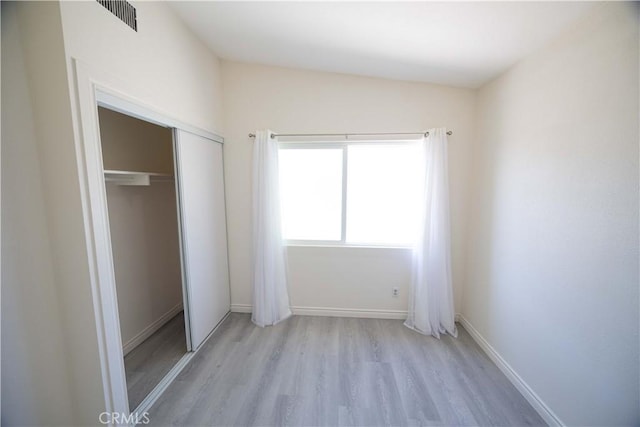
(350, 193)
(311, 194)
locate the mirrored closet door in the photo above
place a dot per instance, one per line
(138, 162)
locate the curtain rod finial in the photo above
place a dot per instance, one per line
(252, 135)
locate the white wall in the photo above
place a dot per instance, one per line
(35, 386)
(143, 223)
(554, 211)
(146, 255)
(553, 262)
(169, 68)
(287, 100)
(42, 44)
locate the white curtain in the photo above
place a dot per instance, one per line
(431, 309)
(270, 291)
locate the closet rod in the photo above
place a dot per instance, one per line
(273, 135)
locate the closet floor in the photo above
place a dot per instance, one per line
(149, 362)
(309, 371)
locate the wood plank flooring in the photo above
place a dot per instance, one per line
(148, 363)
(311, 371)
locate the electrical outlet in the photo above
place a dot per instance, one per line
(395, 292)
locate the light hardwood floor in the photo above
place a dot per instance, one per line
(309, 371)
(149, 362)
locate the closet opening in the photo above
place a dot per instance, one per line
(143, 216)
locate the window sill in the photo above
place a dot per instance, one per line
(347, 246)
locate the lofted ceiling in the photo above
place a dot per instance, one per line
(454, 43)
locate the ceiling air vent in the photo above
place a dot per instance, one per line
(123, 10)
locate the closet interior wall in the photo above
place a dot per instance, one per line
(144, 225)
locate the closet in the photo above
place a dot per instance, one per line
(165, 200)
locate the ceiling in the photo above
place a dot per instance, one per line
(455, 43)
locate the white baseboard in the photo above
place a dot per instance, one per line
(545, 412)
(149, 330)
(241, 308)
(350, 312)
(333, 312)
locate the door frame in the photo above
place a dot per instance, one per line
(95, 87)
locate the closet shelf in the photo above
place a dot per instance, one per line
(120, 177)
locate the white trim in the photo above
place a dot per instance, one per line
(98, 240)
(345, 174)
(336, 244)
(538, 404)
(121, 103)
(241, 308)
(149, 330)
(333, 312)
(350, 312)
(92, 86)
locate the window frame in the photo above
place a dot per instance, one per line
(344, 145)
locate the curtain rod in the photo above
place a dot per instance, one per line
(273, 135)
